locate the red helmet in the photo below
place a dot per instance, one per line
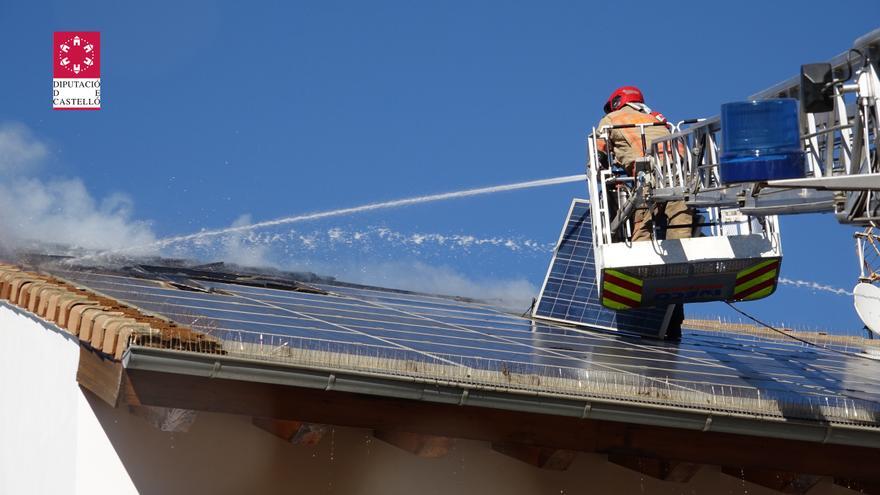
(621, 96)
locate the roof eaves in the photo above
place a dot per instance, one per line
(99, 321)
(473, 394)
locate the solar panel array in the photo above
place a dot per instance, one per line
(570, 293)
(430, 336)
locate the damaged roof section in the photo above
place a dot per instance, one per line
(184, 276)
(97, 320)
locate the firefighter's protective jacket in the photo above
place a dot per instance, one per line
(626, 144)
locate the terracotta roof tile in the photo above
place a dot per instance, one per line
(104, 323)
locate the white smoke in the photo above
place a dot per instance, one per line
(241, 249)
(515, 293)
(59, 211)
(20, 151)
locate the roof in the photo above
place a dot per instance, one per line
(102, 322)
(310, 331)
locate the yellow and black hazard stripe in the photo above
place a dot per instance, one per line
(621, 291)
(756, 281)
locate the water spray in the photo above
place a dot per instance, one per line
(161, 243)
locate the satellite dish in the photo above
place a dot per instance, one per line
(867, 301)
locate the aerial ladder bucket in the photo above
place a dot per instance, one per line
(735, 254)
(731, 256)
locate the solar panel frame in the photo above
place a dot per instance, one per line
(571, 283)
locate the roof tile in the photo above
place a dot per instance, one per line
(104, 323)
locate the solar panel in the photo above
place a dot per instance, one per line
(438, 338)
(570, 294)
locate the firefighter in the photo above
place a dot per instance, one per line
(626, 105)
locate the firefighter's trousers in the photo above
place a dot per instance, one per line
(670, 217)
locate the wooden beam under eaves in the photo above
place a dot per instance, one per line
(662, 469)
(429, 446)
(540, 457)
(171, 419)
(99, 374)
(295, 432)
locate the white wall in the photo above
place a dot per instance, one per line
(50, 439)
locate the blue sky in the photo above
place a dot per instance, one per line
(216, 110)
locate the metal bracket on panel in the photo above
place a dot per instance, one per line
(827, 434)
(331, 380)
(215, 369)
(708, 423)
(588, 408)
(464, 396)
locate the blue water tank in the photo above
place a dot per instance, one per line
(761, 141)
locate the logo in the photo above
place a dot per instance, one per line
(76, 83)
(690, 293)
(684, 294)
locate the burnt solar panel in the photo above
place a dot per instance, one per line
(570, 293)
(434, 337)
